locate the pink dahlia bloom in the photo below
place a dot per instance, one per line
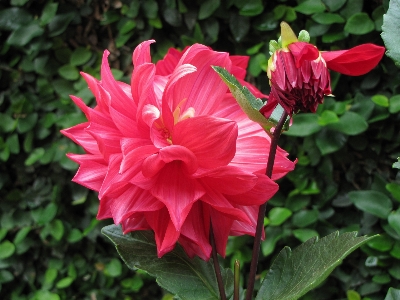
(172, 152)
(299, 72)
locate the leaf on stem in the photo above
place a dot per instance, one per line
(390, 28)
(294, 273)
(185, 277)
(249, 103)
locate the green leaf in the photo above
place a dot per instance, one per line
(394, 189)
(329, 141)
(359, 23)
(64, 283)
(207, 8)
(26, 123)
(327, 117)
(278, 215)
(252, 8)
(57, 229)
(69, 72)
(380, 100)
(175, 271)
(391, 29)
(24, 34)
(304, 218)
(249, 104)
(393, 294)
(294, 273)
(239, 26)
(48, 13)
(18, 2)
(304, 125)
(113, 268)
(309, 7)
(327, 18)
(382, 243)
(6, 249)
(350, 123)
(353, 295)
(35, 155)
(60, 23)
(14, 17)
(394, 220)
(373, 202)
(394, 104)
(305, 234)
(334, 5)
(80, 56)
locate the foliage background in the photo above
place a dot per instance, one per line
(50, 242)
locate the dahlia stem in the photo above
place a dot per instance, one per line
(261, 211)
(236, 282)
(216, 265)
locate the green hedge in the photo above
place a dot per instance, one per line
(50, 241)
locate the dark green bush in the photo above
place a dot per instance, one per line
(50, 241)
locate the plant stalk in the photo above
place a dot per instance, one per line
(261, 211)
(236, 282)
(216, 265)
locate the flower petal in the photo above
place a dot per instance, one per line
(303, 51)
(212, 140)
(177, 191)
(355, 61)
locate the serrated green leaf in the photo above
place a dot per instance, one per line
(248, 102)
(390, 31)
(294, 273)
(138, 250)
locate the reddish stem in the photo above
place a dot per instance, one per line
(261, 211)
(216, 265)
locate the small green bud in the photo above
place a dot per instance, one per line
(273, 46)
(304, 36)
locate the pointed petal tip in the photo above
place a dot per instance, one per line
(287, 35)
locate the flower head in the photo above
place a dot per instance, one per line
(173, 152)
(299, 75)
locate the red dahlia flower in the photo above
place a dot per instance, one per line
(173, 152)
(299, 75)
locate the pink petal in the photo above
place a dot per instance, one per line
(136, 222)
(153, 164)
(167, 65)
(195, 232)
(262, 191)
(240, 228)
(177, 191)
(141, 55)
(220, 203)
(92, 83)
(80, 136)
(221, 225)
(204, 88)
(135, 156)
(303, 51)
(355, 61)
(166, 234)
(212, 140)
(228, 180)
(119, 98)
(133, 200)
(251, 154)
